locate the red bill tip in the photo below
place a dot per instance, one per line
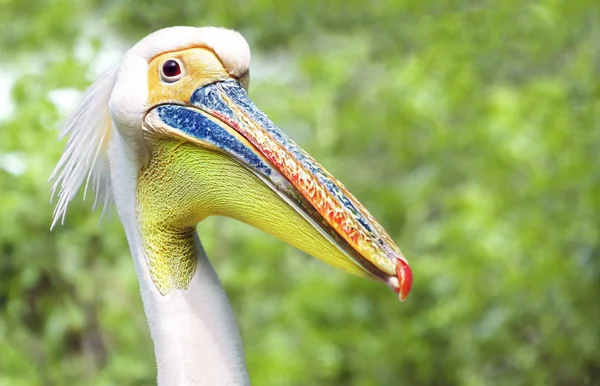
(405, 278)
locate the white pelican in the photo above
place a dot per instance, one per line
(171, 137)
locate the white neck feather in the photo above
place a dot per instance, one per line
(196, 339)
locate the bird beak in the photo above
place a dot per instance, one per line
(222, 117)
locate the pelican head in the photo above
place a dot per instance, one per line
(199, 146)
(172, 137)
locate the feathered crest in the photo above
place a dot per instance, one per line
(84, 157)
(88, 128)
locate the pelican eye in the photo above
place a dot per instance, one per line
(171, 70)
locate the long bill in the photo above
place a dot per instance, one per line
(221, 117)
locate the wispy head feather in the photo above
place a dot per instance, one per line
(84, 157)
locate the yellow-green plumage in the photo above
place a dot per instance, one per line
(185, 183)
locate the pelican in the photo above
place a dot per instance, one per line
(171, 137)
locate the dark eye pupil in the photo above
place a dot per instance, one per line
(171, 68)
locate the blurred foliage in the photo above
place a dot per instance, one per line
(470, 129)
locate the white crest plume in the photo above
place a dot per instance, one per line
(84, 157)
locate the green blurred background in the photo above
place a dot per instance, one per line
(470, 129)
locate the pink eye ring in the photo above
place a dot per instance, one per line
(171, 70)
